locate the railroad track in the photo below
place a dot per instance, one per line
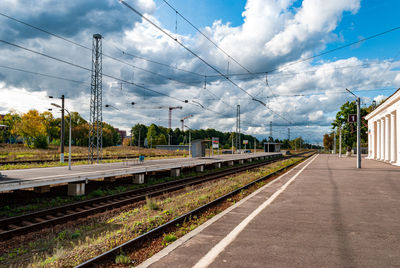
(108, 256)
(35, 221)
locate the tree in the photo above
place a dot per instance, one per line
(80, 135)
(33, 128)
(349, 130)
(136, 129)
(10, 120)
(152, 134)
(328, 141)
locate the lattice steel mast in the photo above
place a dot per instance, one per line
(96, 102)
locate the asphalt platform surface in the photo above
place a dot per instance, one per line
(323, 213)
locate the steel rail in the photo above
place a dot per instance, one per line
(96, 261)
(26, 223)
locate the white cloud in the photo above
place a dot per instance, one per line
(273, 33)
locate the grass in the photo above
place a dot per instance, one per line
(19, 152)
(74, 245)
(36, 204)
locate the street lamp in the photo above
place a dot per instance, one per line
(70, 126)
(190, 142)
(62, 127)
(358, 129)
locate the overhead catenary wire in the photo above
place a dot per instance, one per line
(205, 36)
(87, 69)
(197, 56)
(42, 74)
(192, 83)
(323, 53)
(105, 55)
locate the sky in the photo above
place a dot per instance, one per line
(264, 46)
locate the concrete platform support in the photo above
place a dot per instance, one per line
(230, 163)
(200, 168)
(241, 161)
(250, 160)
(138, 178)
(110, 179)
(217, 165)
(42, 189)
(175, 172)
(76, 188)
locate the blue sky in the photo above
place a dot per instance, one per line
(260, 34)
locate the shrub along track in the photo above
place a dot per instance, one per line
(14, 226)
(152, 237)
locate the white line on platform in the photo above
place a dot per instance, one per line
(217, 249)
(155, 258)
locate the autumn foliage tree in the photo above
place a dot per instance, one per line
(33, 128)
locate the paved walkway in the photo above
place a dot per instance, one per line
(323, 213)
(26, 178)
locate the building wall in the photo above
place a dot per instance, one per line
(384, 132)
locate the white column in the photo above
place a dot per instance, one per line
(387, 138)
(374, 139)
(383, 139)
(371, 140)
(393, 139)
(398, 136)
(378, 139)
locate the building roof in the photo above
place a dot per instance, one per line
(384, 104)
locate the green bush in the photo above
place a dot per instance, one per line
(169, 238)
(40, 142)
(122, 259)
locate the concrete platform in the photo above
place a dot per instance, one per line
(37, 177)
(323, 213)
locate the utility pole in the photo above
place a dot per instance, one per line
(358, 133)
(232, 144)
(270, 129)
(96, 102)
(340, 141)
(238, 128)
(358, 101)
(62, 129)
(288, 133)
(334, 142)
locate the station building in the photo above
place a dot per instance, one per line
(384, 132)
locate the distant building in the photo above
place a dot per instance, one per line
(272, 147)
(122, 133)
(383, 131)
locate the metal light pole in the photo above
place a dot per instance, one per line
(70, 132)
(190, 141)
(340, 141)
(358, 101)
(62, 127)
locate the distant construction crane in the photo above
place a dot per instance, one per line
(183, 121)
(170, 108)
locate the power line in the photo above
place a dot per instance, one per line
(41, 74)
(157, 62)
(87, 69)
(205, 36)
(197, 56)
(324, 53)
(105, 55)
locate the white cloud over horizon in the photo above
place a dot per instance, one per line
(272, 35)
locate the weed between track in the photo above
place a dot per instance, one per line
(39, 203)
(74, 244)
